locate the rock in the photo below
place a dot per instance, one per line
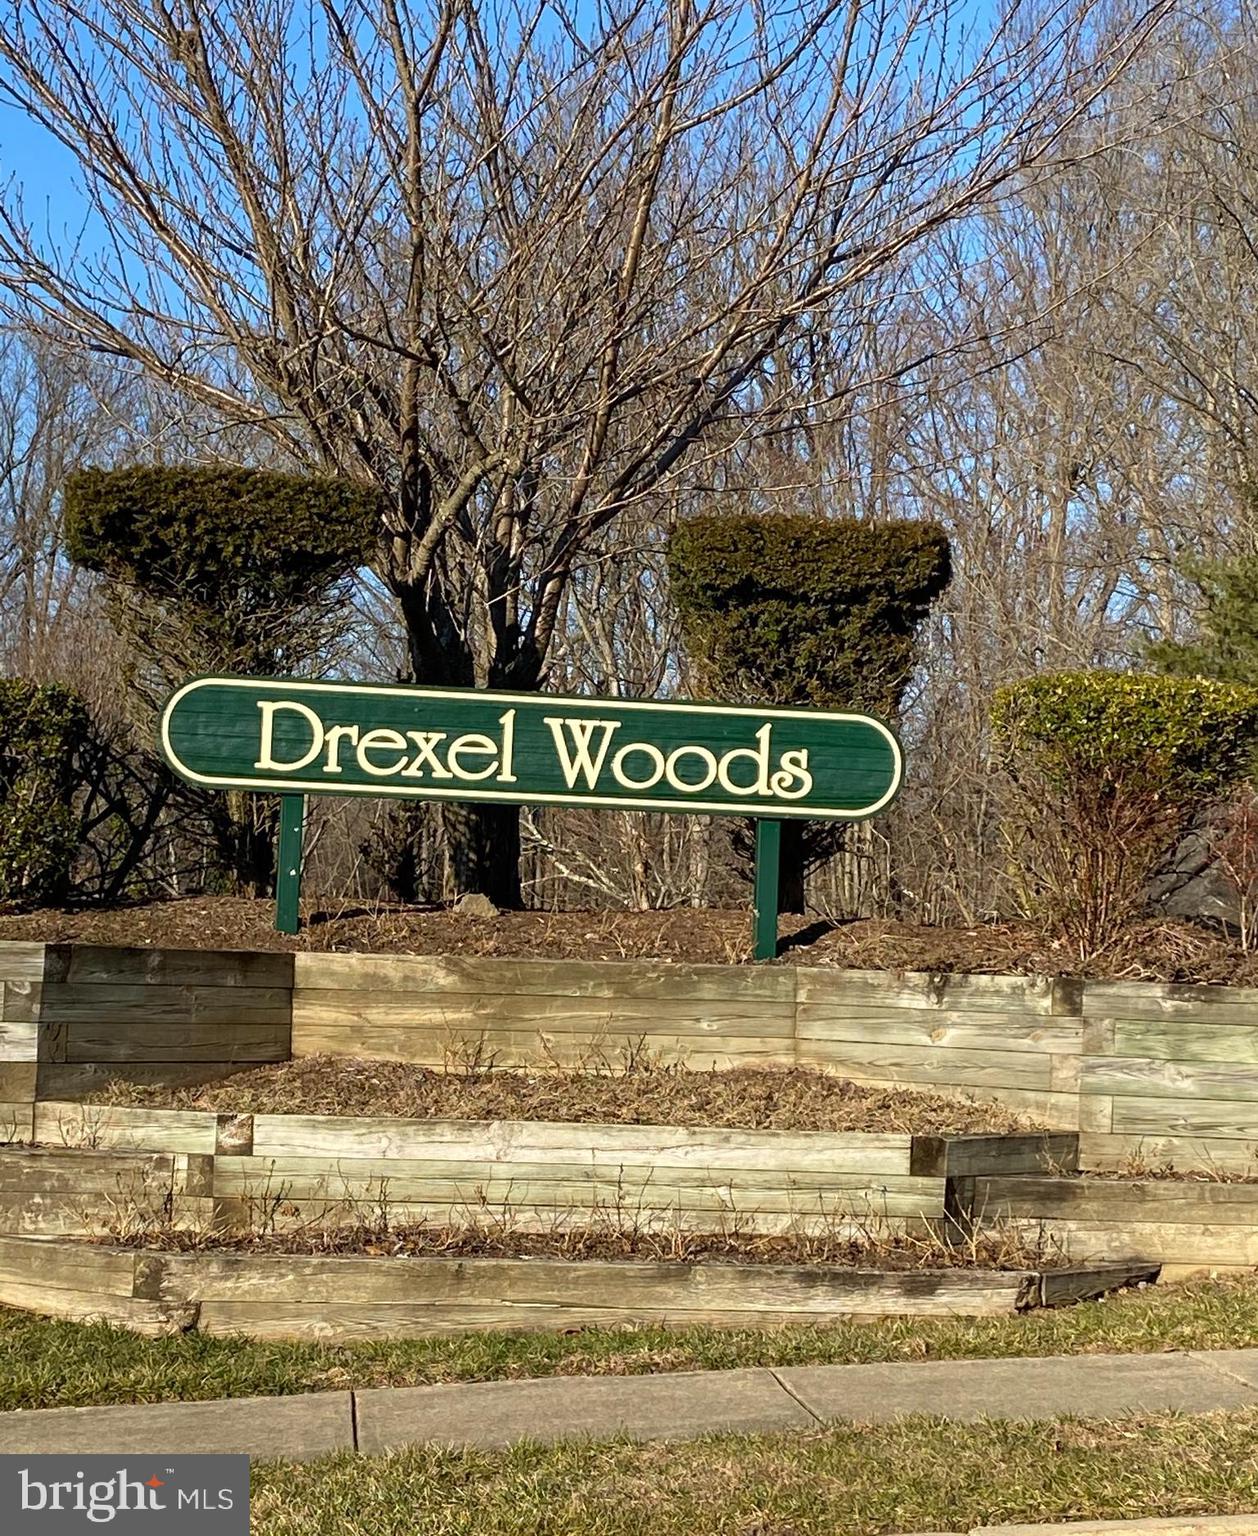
(475, 905)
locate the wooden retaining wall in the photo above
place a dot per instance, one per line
(253, 1171)
(1190, 1225)
(50, 1191)
(1148, 1073)
(73, 1016)
(21, 982)
(349, 1297)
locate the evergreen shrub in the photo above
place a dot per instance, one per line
(42, 728)
(1108, 771)
(804, 610)
(238, 552)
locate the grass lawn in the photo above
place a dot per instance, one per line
(916, 1475)
(47, 1364)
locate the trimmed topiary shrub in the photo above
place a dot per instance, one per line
(800, 610)
(222, 570)
(42, 728)
(1108, 770)
(805, 610)
(243, 554)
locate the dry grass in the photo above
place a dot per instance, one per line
(1138, 1168)
(864, 1242)
(748, 1098)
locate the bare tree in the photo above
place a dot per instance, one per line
(525, 267)
(57, 414)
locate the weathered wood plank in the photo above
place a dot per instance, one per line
(65, 1124)
(886, 989)
(1151, 999)
(1109, 1152)
(110, 965)
(469, 974)
(677, 1146)
(559, 1015)
(42, 1170)
(414, 1183)
(1063, 1287)
(19, 1041)
(813, 1290)
(976, 1070)
(21, 961)
(67, 1266)
(1144, 1078)
(1096, 1112)
(64, 1081)
(349, 1322)
(77, 1215)
(968, 1156)
(156, 1319)
(943, 1029)
(646, 1215)
(1185, 1116)
(1183, 1041)
(1065, 1074)
(108, 1040)
(17, 1122)
(155, 1004)
(1193, 1201)
(20, 1001)
(1169, 1243)
(537, 1047)
(17, 1080)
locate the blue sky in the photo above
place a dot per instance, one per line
(46, 172)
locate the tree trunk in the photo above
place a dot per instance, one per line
(791, 868)
(483, 852)
(482, 842)
(244, 836)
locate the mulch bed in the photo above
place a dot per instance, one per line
(749, 1098)
(1154, 951)
(1001, 1250)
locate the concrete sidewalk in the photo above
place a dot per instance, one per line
(661, 1407)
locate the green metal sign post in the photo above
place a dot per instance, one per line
(295, 738)
(765, 894)
(288, 863)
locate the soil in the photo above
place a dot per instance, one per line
(749, 1098)
(1152, 951)
(1000, 1251)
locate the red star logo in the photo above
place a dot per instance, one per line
(155, 1482)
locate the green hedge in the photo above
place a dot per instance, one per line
(262, 541)
(804, 610)
(41, 730)
(1107, 771)
(1188, 737)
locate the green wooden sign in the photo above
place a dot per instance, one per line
(297, 738)
(540, 749)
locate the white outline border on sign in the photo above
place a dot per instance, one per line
(469, 795)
